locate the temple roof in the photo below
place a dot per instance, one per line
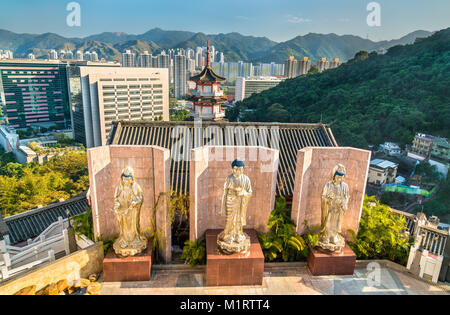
(207, 75)
(292, 137)
(31, 223)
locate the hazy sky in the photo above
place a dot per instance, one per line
(278, 20)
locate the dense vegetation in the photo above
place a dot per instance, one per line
(23, 187)
(440, 205)
(382, 234)
(370, 99)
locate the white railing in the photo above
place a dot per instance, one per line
(15, 260)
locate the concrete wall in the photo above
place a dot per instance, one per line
(314, 167)
(72, 267)
(151, 165)
(209, 168)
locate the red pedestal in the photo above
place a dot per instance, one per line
(136, 268)
(325, 264)
(235, 269)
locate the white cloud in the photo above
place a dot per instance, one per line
(296, 19)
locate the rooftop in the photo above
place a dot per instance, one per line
(207, 75)
(31, 223)
(288, 137)
(383, 163)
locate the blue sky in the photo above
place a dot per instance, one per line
(278, 20)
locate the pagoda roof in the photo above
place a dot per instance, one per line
(207, 75)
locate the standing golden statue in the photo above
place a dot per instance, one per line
(128, 200)
(334, 204)
(236, 194)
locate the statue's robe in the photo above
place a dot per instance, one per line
(127, 203)
(334, 204)
(235, 207)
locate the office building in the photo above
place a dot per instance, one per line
(107, 94)
(31, 56)
(79, 55)
(245, 87)
(34, 93)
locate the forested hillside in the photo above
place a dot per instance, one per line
(370, 99)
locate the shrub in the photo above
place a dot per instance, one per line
(194, 253)
(281, 242)
(382, 234)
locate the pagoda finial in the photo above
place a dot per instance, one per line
(207, 55)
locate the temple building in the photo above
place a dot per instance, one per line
(207, 96)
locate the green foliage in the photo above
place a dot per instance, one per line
(82, 224)
(107, 244)
(382, 234)
(180, 115)
(282, 242)
(440, 205)
(194, 253)
(370, 100)
(428, 172)
(23, 187)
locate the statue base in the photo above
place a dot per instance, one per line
(233, 247)
(328, 247)
(135, 268)
(322, 263)
(130, 251)
(233, 269)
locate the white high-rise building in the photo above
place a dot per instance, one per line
(31, 56)
(334, 63)
(245, 87)
(128, 59)
(180, 87)
(87, 56)
(118, 93)
(303, 66)
(322, 64)
(94, 56)
(69, 54)
(80, 55)
(145, 60)
(52, 55)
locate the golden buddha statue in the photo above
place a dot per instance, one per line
(335, 198)
(236, 194)
(128, 200)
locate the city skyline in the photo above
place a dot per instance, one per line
(279, 21)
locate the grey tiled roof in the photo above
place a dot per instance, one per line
(292, 137)
(31, 223)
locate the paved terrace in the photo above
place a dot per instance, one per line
(281, 279)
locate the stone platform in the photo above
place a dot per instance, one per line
(135, 268)
(321, 263)
(234, 269)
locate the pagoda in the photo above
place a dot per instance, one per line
(207, 97)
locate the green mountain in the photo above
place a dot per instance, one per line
(235, 46)
(330, 46)
(370, 99)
